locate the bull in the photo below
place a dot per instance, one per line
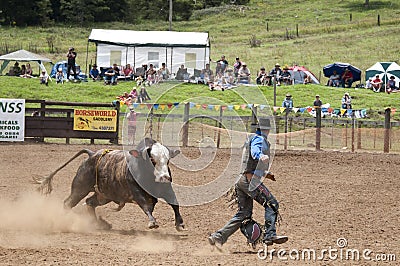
(137, 176)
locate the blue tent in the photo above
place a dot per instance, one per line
(64, 66)
(340, 68)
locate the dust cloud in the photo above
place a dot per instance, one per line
(36, 213)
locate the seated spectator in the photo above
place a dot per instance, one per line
(317, 102)
(334, 79)
(128, 72)
(262, 77)
(15, 70)
(285, 77)
(141, 71)
(94, 73)
(288, 101)
(244, 74)
(207, 75)
(236, 66)
(182, 73)
(391, 85)
(163, 73)
(347, 78)
(60, 76)
(143, 95)
(346, 101)
(44, 78)
(228, 79)
(376, 84)
(219, 70)
(368, 84)
(307, 79)
(133, 94)
(23, 71)
(29, 71)
(110, 76)
(151, 75)
(275, 73)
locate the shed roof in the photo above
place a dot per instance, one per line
(150, 38)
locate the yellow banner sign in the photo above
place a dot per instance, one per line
(95, 120)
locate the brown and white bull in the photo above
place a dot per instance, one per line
(140, 175)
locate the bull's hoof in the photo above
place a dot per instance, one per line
(180, 227)
(153, 225)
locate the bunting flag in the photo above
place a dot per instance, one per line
(311, 110)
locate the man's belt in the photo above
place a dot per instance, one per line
(269, 175)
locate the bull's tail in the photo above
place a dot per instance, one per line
(45, 182)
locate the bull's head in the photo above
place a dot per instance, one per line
(159, 156)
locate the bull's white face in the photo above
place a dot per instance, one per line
(160, 156)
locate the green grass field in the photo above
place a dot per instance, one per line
(326, 35)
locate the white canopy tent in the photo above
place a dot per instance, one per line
(151, 47)
(23, 56)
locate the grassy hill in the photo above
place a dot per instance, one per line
(343, 31)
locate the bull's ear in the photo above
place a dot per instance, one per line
(134, 153)
(173, 153)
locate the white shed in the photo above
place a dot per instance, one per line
(151, 47)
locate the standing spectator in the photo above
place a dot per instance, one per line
(60, 76)
(347, 78)
(44, 78)
(244, 74)
(346, 101)
(376, 84)
(131, 117)
(94, 73)
(236, 66)
(334, 79)
(224, 63)
(275, 74)
(71, 57)
(288, 101)
(317, 102)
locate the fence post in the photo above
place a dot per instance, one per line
(185, 128)
(219, 127)
(286, 127)
(318, 129)
(253, 118)
(387, 130)
(353, 123)
(276, 118)
(358, 135)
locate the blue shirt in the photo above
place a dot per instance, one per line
(259, 146)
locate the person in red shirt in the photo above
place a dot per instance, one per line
(347, 78)
(376, 84)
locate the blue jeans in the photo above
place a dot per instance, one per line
(245, 199)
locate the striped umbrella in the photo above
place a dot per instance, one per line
(385, 70)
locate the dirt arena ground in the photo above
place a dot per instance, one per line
(324, 196)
